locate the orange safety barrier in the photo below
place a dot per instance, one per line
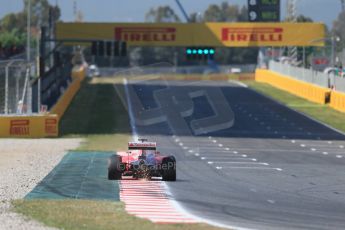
(338, 101)
(302, 89)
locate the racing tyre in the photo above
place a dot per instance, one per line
(169, 169)
(114, 168)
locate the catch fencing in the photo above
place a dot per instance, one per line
(307, 75)
(23, 93)
(15, 87)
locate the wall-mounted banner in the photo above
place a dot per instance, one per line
(29, 126)
(198, 34)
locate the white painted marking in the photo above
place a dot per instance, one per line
(177, 140)
(312, 149)
(279, 169)
(302, 145)
(185, 147)
(254, 159)
(191, 151)
(256, 168)
(218, 167)
(341, 146)
(293, 141)
(237, 162)
(210, 162)
(325, 153)
(214, 141)
(339, 156)
(220, 145)
(235, 152)
(244, 155)
(196, 154)
(227, 149)
(181, 144)
(203, 158)
(271, 201)
(329, 142)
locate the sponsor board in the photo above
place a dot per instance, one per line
(29, 126)
(198, 34)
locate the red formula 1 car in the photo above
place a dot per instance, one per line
(142, 160)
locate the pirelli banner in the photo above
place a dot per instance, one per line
(29, 126)
(198, 34)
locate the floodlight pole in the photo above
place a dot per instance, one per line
(28, 32)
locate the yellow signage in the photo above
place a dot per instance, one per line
(29, 126)
(198, 34)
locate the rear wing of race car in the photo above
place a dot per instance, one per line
(142, 146)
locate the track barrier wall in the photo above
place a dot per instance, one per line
(61, 106)
(338, 101)
(30, 126)
(46, 125)
(299, 88)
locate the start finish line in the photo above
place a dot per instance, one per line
(198, 34)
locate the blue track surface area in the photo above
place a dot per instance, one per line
(79, 175)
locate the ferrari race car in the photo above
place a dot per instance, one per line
(142, 160)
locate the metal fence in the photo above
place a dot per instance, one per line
(15, 89)
(311, 76)
(21, 92)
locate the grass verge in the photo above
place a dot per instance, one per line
(97, 115)
(322, 113)
(95, 215)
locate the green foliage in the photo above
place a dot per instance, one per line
(13, 37)
(13, 26)
(162, 14)
(225, 13)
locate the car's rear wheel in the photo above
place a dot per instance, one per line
(114, 168)
(169, 169)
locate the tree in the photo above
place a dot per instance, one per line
(162, 14)
(14, 25)
(225, 13)
(302, 18)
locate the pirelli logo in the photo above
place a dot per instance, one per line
(51, 126)
(145, 34)
(265, 34)
(20, 127)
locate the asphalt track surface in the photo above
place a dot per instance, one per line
(243, 160)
